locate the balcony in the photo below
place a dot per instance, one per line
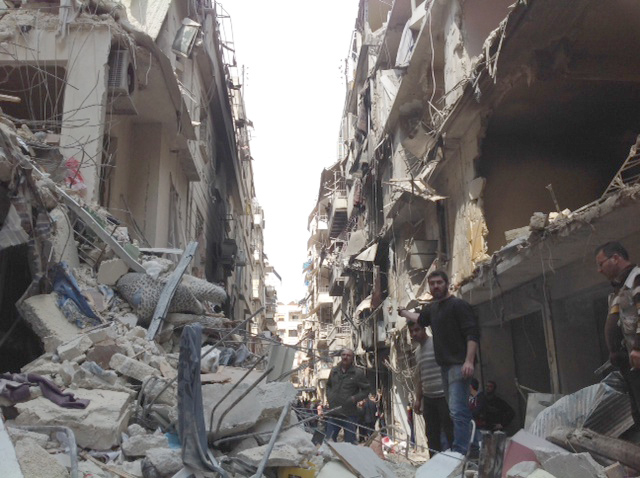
(337, 281)
(323, 295)
(339, 332)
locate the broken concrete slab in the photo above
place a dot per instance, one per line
(36, 462)
(138, 445)
(131, 368)
(282, 454)
(361, 460)
(47, 321)
(335, 469)
(97, 427)
(265, 401)
(615, 471)
(574, 465)
(18, 434)
(74, 348)
(440, 466)
(540, 473)
(110, 271)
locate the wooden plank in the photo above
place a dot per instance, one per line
(169, 290)
(100, 232)
(361, 461)
(10, 99)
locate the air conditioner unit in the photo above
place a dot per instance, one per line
(121, 73)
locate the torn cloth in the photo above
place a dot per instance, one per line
(15, 384)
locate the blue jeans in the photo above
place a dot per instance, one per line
(457, 392)
(349, 424)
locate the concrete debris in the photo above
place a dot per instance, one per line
(131, 368)
(522, 469)
(574, 465)
(47, 321)
(73, 349)
(36, 462)
(138, 445)
(97, 427)
(166, 461)
(111, 271)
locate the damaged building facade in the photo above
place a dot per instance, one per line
(492, 140)
(138, 107)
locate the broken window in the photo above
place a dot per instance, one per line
(41, 92)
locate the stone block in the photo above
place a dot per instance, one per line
(134, 430)
(36, 462)
(18, 434)
(131, 368)
(97, 427)
(168, 462)
(538, 221)
(46, 320)
(282, 454)
(74, 348)
(101, 334)
(138, 445)
(110, 271)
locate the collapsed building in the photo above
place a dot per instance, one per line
(497, 141)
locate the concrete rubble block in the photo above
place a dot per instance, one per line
(126, 345)
(18, 434)
(42, 367)
(67, 372)
(246, 444)
(74, 348)
(103, 333)
(283, 454)
(110, 271)
(88, 469)
(134, 430)
(102, 352)
(265, 401)
(46, 320)
(131, 368)
(522, 469)
(36, 462)
(137, 331)
(168, 462)
(97, 427)
(128, 319)
(138, 445)
(178, 319)
(574, 465)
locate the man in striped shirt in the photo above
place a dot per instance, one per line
(429, 391)
(622, 327)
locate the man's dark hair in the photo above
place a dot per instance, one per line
(475, 384)
(495, 385)
(439, 273)
(611, 248)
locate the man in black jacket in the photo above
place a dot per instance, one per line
(346, 386)
(455, 341)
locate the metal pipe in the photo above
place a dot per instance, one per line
(272, 441)
(73, 448)
(232, 389)
(244, 394)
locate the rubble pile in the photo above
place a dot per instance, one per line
(103, 398)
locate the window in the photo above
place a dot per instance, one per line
(293, 333)
(281, 332)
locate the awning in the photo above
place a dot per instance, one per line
(365, 304)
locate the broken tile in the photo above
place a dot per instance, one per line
(98, 426)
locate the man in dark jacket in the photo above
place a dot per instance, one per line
(346, 386)
(455, 341)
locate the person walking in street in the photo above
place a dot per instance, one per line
(429, 391)
(455, 342)
(346, 386)
(622, 327)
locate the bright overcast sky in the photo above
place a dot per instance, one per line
(294, 52)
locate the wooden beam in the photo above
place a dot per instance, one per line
(162, 307)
